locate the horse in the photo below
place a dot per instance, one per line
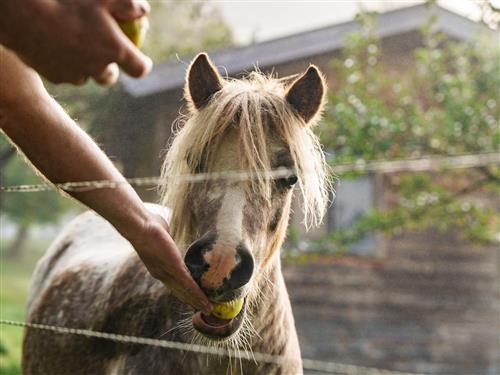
(230, 231)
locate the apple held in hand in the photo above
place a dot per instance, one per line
(135, 30)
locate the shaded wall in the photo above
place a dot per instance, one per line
(431, 306)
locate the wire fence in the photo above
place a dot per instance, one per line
(307, 364)
(428, 163)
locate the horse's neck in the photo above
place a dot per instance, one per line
(273, 319)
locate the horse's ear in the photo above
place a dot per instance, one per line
(307, 94)
(202, 81)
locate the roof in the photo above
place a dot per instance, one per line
(170, 75)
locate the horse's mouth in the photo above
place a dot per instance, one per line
(216, 328)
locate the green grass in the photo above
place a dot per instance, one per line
(15, 278)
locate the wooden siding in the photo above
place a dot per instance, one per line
(431, 305)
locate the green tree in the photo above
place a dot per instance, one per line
(445, 103)
(184, 27)
(27, 209)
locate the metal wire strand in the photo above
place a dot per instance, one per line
(421, 164)
(148, 181)
(361, 166)
(307, 364)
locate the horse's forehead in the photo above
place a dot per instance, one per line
(229, 152)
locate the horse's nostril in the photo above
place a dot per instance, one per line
(242, 273)
(194, 259)
(194, 256)
(196, 266)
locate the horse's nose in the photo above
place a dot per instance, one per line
(194, 258)
(219, 269)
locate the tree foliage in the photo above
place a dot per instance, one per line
(26, 209)
(184, 27)
(444, 103)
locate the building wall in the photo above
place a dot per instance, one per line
(432, 305)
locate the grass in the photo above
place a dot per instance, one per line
(15, 278)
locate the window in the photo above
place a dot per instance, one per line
(354, 198)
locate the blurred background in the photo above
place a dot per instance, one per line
(404, 272)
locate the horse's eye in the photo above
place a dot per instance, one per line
(292, 180)
(288, 182)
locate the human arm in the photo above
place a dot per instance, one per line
(61, 151)
(69, 41)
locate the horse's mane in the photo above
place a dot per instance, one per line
(246, 106)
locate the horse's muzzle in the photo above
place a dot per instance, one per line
(221, 271)
(216, 328)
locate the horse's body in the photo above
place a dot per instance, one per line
(92, 278)
(232, 231)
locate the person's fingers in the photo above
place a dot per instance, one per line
(165, 263)
(128, 10)
(188, 298)
(127, 56)
(181, 277)
(195, 295)
(132, 61)
(108, 76)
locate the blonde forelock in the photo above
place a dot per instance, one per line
(245, 105)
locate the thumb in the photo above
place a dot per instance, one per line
(132, 60)
(128, 10)
(193, 295)
(108, 76)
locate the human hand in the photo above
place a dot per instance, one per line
(70, 41)
(163, 260)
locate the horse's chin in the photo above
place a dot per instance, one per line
(215, 328)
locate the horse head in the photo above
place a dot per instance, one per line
(232, 227)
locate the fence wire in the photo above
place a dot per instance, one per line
(307, 364)
(428, 163)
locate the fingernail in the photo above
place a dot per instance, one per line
(148, 65)
(145, 8)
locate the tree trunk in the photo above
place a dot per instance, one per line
(16, 249)
(6, 155)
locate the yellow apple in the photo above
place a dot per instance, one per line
(227, 310)
(135, 30)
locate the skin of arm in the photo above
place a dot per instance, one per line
(81, 35)
(61, 151)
